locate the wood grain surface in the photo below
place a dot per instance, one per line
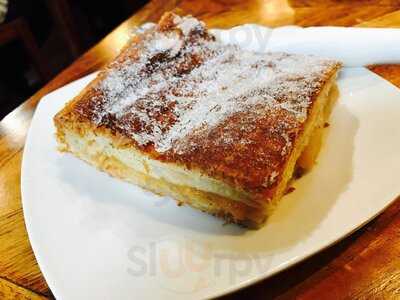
(366, 265)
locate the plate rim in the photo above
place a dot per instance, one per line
(228, 290)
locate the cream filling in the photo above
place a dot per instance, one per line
(91, 145)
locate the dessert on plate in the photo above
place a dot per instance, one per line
(208, 124)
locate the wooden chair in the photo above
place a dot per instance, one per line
(19, 30)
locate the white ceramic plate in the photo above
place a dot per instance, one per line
(96, 237)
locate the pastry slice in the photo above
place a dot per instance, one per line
(208, 124)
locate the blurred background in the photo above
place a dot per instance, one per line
(40, 38)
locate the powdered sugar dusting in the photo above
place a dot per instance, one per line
(187, 24)
(184, 83)
(269, 180)
(165, 43)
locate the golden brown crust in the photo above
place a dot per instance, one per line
(247, 148)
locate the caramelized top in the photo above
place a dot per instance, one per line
(183, 97)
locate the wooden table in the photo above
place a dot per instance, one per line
(365, 265)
